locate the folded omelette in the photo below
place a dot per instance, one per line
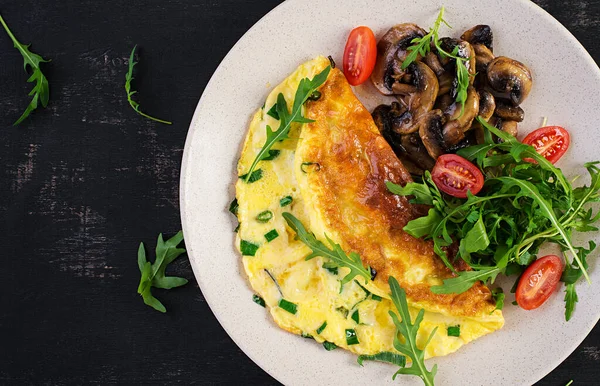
(331, 174)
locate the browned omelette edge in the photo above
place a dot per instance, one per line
(355, 162)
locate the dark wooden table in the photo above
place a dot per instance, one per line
(85, 180)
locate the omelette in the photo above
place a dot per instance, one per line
(330, 174)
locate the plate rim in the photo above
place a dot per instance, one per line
(537, 376)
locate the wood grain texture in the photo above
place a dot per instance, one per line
(85, 180)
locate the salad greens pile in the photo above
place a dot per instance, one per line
(525, 202)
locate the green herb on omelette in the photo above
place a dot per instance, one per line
(351, 338)
(335, 255)
(288, 306)
(329, 346)
(322, 327)
(453, 331)
(271, 235)
(523, 204)
(408, 331)
(130, 92)
(41, 90)
(153, 274)
(287, 117)
(258, 300)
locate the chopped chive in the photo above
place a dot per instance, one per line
(306, 336)
(288, 306)
(331, 267)
(454, 330)
(285, 201)
(258, 300)
(255, 176)
(233, 207)
(389, 357)
(305, 165)
(320, 329)
(351, 337)
(273, 112)
(248, 248)
(343, 311)
(272, 155)
(376, 297)
(356, 317)
(271, 235)
(329, 346)
(237, 228)
(367, 292)
(264, 216)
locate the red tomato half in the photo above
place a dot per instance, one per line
(551, 142)
(360, 55)
(455, 176)
(538, 282)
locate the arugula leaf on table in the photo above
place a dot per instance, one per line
(570, 300)
(286, 117)
(41, 90)
(130, 92)
(153, 274)
(408, 331)
(336, 255)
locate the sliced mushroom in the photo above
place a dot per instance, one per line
(509, 112)
(460, 121)
(443, 102)
(391, 52)
(418, 101)
(483, 57)
(416, 151)
(510, 78)
(508, 126)
(487, 105)
(430, 131)
(480, 34)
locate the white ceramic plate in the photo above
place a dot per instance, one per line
(566, 84)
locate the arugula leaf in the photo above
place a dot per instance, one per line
(570, 300)
(421, 192)
(41, 90)
(336, 255)
(153, 274)
(465, 280)
(128, 79)
(421, 46)
(408, 331)
(498, 296)
(286, 117)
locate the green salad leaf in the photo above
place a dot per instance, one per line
(408, 331)
(335, 253)
(306, 88)
(153, 274)
(130, 92)
(31, 61)
(526, 201)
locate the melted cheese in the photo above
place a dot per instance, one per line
(315, 290)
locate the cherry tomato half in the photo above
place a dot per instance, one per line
(455, 176)
(360, 55)
(551, 142)
(538, 282)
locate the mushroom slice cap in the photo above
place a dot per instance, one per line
(480, 34)
(507, 111)
(416, 151)
(391, 52)
(487, 104)
(430, 131)
(419, 102)
(510, 78)
(483, 57)
(460, 121)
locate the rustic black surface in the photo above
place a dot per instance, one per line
(84, 181)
